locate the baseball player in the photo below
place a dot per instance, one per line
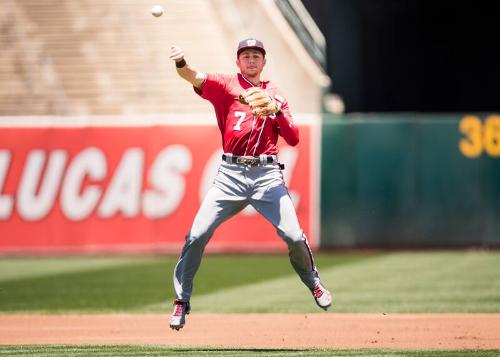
(251, 114)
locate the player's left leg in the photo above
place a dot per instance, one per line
(277, 207)
(275, 204)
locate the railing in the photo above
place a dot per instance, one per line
(306, 29)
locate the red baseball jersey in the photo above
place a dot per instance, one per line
(242, 133)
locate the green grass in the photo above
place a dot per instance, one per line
(186, 351)
(132, 284)
(464, 281)
(420, 282)
(399, 282)
(21, 267)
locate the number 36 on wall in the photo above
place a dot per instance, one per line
(480, 136)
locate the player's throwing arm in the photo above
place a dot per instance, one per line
(196, 78)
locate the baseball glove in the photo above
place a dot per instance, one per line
(261, 102)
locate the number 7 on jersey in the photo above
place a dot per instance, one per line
(241, 116)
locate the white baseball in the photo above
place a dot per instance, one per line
(157, 10)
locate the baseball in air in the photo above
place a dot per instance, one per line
(157, 10)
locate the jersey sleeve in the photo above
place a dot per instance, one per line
(287, 128)
(214, 88)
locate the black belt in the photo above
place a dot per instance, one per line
(250, 160)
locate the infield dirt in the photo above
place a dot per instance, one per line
(328, 330)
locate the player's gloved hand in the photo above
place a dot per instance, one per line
(261, 102)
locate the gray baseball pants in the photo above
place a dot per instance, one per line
(235, 186)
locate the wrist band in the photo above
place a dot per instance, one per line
(181, 63)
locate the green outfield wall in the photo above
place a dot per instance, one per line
(410, 180)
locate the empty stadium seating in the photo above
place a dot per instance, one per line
(110, 57)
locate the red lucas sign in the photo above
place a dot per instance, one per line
(98, 189)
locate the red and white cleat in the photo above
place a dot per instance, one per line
(178, 318)
(322, 296)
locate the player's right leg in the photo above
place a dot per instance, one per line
(217, 207)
